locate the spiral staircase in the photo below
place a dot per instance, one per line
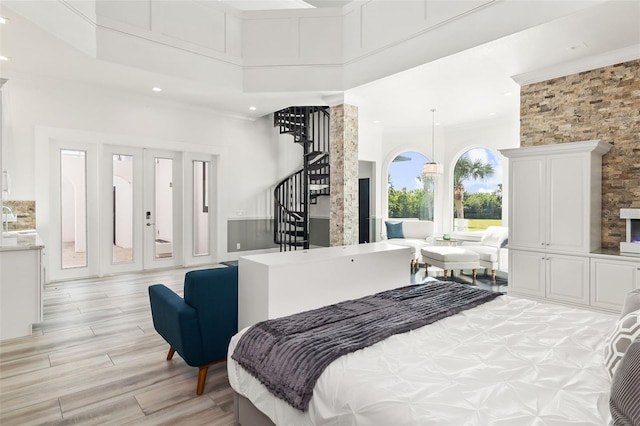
(309, 126)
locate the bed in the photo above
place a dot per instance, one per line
(509, 361)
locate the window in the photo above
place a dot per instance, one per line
(73, 205)
(410, 191)
(477, 191)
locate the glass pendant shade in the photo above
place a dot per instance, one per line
(432, 168)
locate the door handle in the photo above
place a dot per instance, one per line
(149, 224)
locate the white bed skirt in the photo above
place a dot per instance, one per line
(510, 361)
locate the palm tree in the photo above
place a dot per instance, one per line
(467, 169)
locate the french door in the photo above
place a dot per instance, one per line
(121, 207)
(162, 212)
(73, 251)
(125, 209)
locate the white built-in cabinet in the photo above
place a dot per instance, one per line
(554, 228)
(549, 275)
(555, 196)
(612, 277)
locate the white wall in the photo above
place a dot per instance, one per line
(450, 144)
(246, 150)
(370, 142)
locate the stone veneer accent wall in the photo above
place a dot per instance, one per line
(343, 159)
(25, 212)
(599, 104)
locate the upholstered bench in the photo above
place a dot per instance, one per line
(450, 258)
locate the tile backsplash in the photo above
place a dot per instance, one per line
(25, 212)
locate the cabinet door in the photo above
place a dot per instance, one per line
(567, 278)
(527, 203)
(526, 273)
(19, 292)
(611, 280)
(568, 203)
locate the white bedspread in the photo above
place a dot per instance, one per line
(510, 361)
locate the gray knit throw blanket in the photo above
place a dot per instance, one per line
(288, 354)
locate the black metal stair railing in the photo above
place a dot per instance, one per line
(309, 126)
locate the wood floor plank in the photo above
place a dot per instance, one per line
(117, 411)
(193, 411)
(38, 386)
(23, 365)
(96, 353)
(45, 343)
(47, 412)
(158, 398)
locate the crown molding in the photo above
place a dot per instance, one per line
(580, 65)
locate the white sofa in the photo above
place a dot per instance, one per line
(417, 234)
(491, 249)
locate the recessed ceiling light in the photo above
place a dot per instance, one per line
(508, 94)
(3, 20)
(376, 121)
(492, 113)
(4, 58)
(252, 108)
(157, 89)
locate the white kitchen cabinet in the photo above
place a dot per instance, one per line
(612, 277)
(553, 276)
(20, 290)
(555, 196)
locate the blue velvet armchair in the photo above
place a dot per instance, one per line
(200, 326)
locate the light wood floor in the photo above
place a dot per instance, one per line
(96, 359)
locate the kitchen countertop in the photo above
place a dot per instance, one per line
(20, 240)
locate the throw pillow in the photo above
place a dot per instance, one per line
(627, 329)
(631, 302)
(394, 230)
(624, 401)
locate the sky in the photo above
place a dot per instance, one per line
(404, 173)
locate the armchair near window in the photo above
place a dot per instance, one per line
(490, 247)
(200, 326)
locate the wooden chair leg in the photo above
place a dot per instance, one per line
(202, 374)
(493, 275)
(473, 273)
(446, 273)
(202, 377)
(171, 352)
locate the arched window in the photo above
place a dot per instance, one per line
(410, 191)
(477, 191)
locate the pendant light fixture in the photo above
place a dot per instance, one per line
(432, 168)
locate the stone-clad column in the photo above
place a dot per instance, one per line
(343, 158)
